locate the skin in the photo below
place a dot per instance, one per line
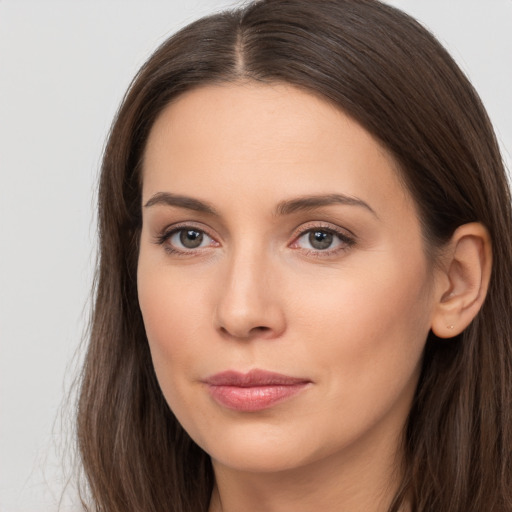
(351, 319)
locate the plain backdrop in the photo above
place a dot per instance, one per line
(64, 66)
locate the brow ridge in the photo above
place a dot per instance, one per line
(189, 203)
(312, 202)
(286, 207)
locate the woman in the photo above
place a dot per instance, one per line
(303, 299)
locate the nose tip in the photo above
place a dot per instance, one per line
(249, 305)
(256, 318)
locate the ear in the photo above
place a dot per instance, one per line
(466, 271)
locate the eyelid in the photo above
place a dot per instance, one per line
(163, 236)
(346, 236)
(321, 224)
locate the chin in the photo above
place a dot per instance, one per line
(260, 460)
(261, 450)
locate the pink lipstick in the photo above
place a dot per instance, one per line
(253, 391)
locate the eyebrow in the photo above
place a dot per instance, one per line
(317, 201)
(287, 207)
(189, 203)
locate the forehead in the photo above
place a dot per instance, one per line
(272, 139)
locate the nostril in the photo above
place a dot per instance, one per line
(260, 330)
(246, 321)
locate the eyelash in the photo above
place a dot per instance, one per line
(163, 239)
(346, 241)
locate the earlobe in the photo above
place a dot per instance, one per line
(467, 270)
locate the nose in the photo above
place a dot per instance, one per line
(249, 303)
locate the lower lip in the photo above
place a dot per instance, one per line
(254, 398)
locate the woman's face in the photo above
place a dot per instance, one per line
(282, 278)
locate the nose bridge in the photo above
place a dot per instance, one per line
(248, 302)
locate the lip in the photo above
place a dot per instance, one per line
(253, 391)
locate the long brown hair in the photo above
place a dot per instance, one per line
(386, 71)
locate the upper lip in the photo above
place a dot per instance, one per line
(254, 378)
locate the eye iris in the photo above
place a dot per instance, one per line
(190, 238)
(320, 239)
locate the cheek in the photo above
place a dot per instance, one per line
(372, 335)
(175, 314)
(171, 319)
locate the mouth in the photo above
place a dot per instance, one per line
(253, 391)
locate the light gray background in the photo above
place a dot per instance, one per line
(64, 66)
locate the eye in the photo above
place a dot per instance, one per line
(322, 239)
(185, 240)
(190, 239)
